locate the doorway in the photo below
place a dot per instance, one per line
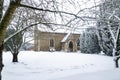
(71, 46)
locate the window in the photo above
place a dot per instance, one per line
(51, 42)
(78, 44)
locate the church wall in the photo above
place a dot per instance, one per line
(42, 42)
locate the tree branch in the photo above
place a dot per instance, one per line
(52, 11)
(27, 28)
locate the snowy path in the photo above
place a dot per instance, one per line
(58, 66)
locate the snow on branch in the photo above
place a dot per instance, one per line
(115, 38)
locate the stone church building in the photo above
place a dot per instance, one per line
(49, 41)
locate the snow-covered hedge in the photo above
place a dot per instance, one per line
(89, 41)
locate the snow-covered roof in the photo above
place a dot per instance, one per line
(60, 29)
(66, 37)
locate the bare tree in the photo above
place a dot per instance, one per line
(5, 22)
(14, 44)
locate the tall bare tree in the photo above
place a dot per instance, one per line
(5, 22)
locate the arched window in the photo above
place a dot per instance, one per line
(51, 42)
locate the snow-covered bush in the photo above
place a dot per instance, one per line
(89, 41)
(105, 40)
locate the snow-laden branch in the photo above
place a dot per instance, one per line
(115, 38)
(112, 34)
(18, 32)
(111, 15)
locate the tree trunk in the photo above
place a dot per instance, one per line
(6, 18)
(1, 63)
(1, 8)
(1, 45)
(117, 49)
(116, 63)
(15, 57)
(4, 22)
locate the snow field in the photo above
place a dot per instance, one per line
(53, 66)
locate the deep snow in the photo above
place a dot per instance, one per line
(59, 66)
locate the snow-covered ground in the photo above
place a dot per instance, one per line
(59, 66)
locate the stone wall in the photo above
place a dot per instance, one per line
(42, 41)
